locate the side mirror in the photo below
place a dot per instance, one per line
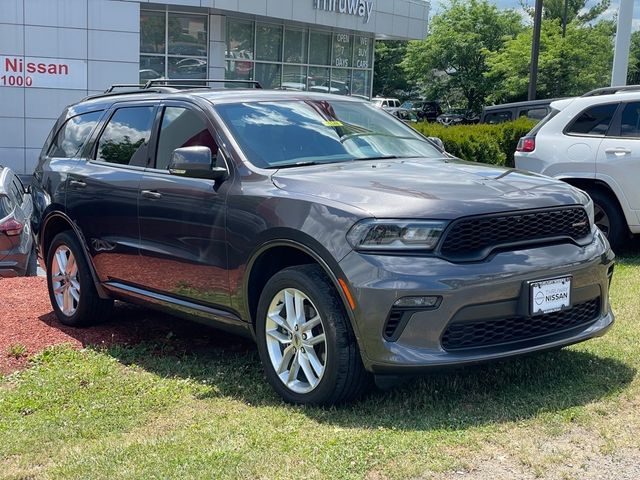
(195, 162)
(437, 142)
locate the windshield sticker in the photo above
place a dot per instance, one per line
(333, 123)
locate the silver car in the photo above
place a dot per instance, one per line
(17, 253)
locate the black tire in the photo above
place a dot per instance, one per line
(609, 218)
(32, 264)
(344, 378)
(91, 309)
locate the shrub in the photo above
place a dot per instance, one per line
(494, 144)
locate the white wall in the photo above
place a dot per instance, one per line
(100, 38)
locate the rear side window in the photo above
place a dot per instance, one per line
(181, 127)
(630, 122)
(73, 135)
(593, 121)
(125, 139)
(18, 190)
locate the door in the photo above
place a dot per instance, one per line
(102, 195)
(182, 220)
(619, 153)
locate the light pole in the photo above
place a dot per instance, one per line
(535, 50)
(623, 44)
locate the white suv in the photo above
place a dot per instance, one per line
(386, 102)
(593, 143)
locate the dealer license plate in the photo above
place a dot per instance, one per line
(549, 296)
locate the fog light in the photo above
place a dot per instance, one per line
(418, 302)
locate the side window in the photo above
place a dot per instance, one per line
(630, 122)
(73, 134)
(18, 189)
(125, 139)
(181, 127)
(14, 192)
(534, 113)
(594, 121)
(498, 117)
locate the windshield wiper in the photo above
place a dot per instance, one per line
(382, 157)
(304, 164)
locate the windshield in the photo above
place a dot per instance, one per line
(292, 133)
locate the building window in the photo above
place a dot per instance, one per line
(297, 58)
(173, 45)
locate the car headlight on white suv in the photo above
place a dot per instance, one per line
(374, 234)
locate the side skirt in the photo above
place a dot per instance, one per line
(209, 316)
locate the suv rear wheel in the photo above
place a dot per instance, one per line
(305, 341)
(71, 289)
(609, 218)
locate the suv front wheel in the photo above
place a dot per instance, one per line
(305, 341)
(71, 289)
(608, 218)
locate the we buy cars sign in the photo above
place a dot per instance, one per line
(18, 71)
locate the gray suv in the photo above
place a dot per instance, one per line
(345, 243)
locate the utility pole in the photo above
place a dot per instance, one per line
(623, 44)
(564, 18)
(535, 50)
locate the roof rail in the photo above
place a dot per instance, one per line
(123, 85)
(612, 90)
(195, 83)
(110, 93)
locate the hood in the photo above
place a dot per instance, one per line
(426, 188)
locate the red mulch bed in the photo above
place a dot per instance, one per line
(27, 318)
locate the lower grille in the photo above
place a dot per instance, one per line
(490, 333)
(393, 322)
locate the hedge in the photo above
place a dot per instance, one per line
(494, 144)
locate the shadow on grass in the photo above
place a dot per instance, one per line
(629, 253)
(228, 366)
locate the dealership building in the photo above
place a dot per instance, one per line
(55, 52)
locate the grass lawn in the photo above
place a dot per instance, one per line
(165, 411)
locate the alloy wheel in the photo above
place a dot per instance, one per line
(65, 281)
(296, 340)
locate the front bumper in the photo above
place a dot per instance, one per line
(489, 290)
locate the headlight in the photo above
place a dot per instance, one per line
(395, 234)
(587, 202)
(590, 212)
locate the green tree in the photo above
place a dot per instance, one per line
(567, 66)
(633, 77)
(389, 79)
(455, 53)
(576, 10)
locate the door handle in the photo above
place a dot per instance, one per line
(618, 151)
(77, 184)
(151, 194)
